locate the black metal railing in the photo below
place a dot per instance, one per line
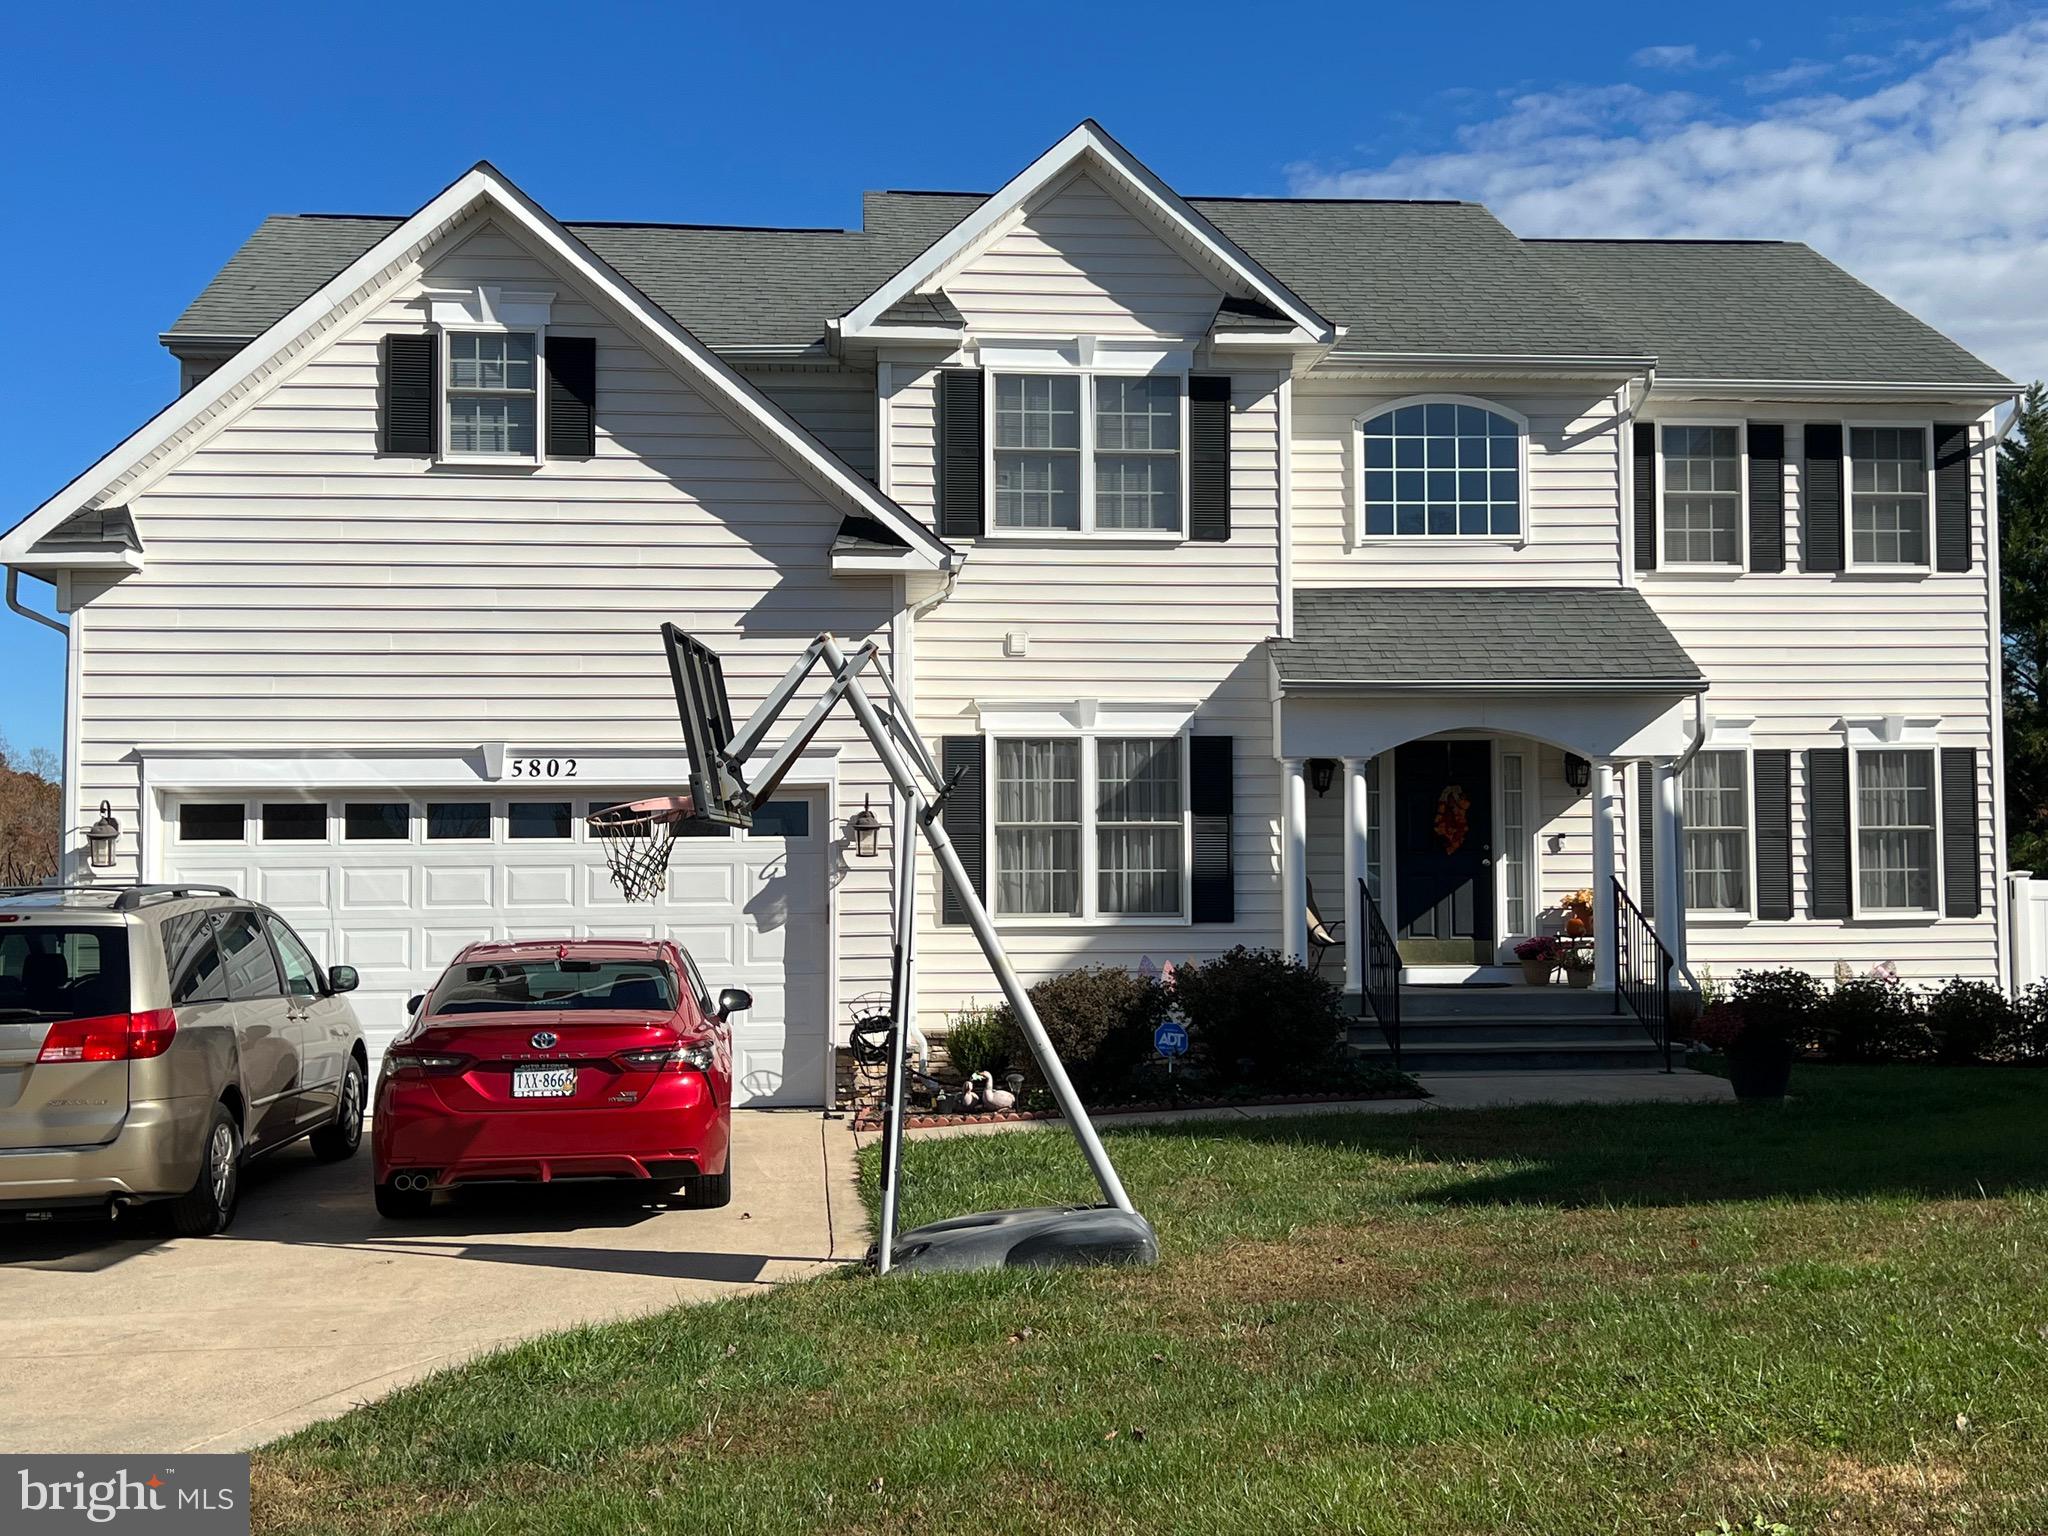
(1382, 978)
(1642, 971)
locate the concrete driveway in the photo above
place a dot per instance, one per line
(312, 1303)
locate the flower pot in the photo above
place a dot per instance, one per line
(1760, 1074)
(1579, 975)
(1536, 971)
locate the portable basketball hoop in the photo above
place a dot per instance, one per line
(636, 838)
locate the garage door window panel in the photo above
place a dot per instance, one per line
(782, 818)
(295, 821)
(212, 821)
(458, 821)
(377, 821)
(530, 819)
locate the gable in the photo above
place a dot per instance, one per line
(1078, 261)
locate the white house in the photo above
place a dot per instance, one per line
(1230, 549)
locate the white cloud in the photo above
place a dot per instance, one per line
(1667, 56)
(1929, 186)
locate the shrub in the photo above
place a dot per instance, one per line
(1258, 1013)
(2027, 1030)
(1766, 1010)
(1969, 1021)
(978, 1040)
(1871, 1018)
(1100, 1021)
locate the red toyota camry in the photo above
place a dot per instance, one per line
(570, 1059)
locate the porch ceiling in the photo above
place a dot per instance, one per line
(1568, 640)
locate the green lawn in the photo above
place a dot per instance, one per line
(1633, 1319)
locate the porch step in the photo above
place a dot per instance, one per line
(1508, 1029)
(1468, 1029)
(1504, 1002)
(1516, 1056)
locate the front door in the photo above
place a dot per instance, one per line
(1443, 852)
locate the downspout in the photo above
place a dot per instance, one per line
(1678, 766)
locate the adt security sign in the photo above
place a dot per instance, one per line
(1170, 1039)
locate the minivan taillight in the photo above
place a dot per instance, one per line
(111, 1037)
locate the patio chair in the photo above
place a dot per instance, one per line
(1322, 936)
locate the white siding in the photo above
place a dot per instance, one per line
(1116, 622)
(1799, 652)
(1079, 262)
(1573, 533)
(835, 405)
(302, 590)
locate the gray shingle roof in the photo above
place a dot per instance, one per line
(1569, 637)
(1755, 309)
(94, 528)
(1403, 277)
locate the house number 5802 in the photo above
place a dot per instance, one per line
(543, 767)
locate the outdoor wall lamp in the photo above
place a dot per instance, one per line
(1578, 773)
(866, 828)
(1322, 771)
(101, 836)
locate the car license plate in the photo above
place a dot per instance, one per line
(543, 1082)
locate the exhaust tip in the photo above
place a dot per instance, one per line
(413, 1181)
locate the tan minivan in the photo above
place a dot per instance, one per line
(152, 1038)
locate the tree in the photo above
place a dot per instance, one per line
(30, 815)
(2023, 607)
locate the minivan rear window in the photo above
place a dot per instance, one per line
(503, 985)
(55, 971)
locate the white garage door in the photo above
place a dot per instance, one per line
(395, 885)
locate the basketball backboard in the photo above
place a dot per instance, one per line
(699, 678)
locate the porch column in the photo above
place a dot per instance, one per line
(1293, 860)
(1606, 806)
(1355, 816)
(1670, 814)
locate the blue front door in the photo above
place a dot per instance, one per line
(1443, 851)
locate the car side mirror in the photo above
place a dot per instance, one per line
(734, 1000)
(412, 1004)
(342, 978)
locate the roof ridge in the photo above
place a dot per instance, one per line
(1654, 240)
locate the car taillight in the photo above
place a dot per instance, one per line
(669, 1058)
(400, 1061)
(111, 1037)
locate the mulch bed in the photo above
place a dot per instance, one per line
(868, 1118)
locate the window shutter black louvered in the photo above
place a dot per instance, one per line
(1766, 496)
(572, 397)
(1646, 496)
(1210, 796)
(1951, 497)
(1646, 838)
(1961, 881)
(1827, 831)
(1773, 796)
(1820, 510)
(1209, 458)
(409, 411)
(965, 818)
(962, 497)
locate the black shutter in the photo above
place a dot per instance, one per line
(1961, 884)
(1766, 496)
(1952, 499)
(1772, 793)
(965, 818)
(1209, 458)
(1646, 496)
(961, 497)
(408, 410)
(572, 397)
(1820, 511)
(1827, 830)
(1646, 838)
(1209, 801)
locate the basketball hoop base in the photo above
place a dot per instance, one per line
(1039, 1237)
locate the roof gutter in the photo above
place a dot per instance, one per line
(14, 602)
(1550, 685)
(1547, 362)
(1830, 389)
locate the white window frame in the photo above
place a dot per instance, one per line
(1887, 568)
(1709, 567)
(1747, 912)
(1922, 742)
(1360, 538)
(1055, 366)
(1090, 793)
(252, 824)
(259, 838)
(490, 310)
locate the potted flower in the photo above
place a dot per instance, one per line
(1539, 957)
(1577, 954)
(1757, 1027)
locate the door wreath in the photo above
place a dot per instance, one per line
(1452, 818)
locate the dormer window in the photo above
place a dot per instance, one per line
(492, 395)
(1441, 469)
(1084, 452)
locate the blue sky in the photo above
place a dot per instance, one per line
(145, 142)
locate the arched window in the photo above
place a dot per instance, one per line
(1441, 467)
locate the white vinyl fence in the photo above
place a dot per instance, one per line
(2027, 898)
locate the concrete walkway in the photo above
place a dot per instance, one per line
(311, 1303)
(1447, 1090)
